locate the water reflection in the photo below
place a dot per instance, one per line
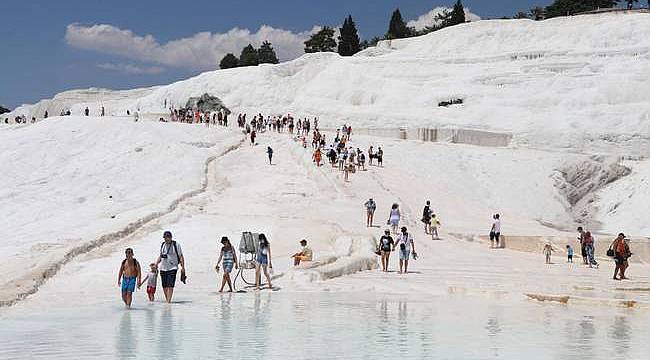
(127, 341)
(326, 326)
(166, 343)
(621, 333)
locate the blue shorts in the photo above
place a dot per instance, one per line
(262, 259)
(128, 284)
(404, 254)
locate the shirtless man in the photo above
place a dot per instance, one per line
(130, 272)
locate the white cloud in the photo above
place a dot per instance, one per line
(131, 69)
(202, 51)
(428, 19)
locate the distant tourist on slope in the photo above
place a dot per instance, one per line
(253, 135)
(170, 257)
(371, 206)
(394, 217)
(583, 249)
(305, 254)
(87, 112)
(548, 249)
(435, 223)
(386, 245)
(380, 157)
(569, 254)
(621, 249)
(426, 217)
(228, 259)
(495, 230)
(269, 152)
(263, 262)
(406, 246)
(589, 249)
(317, 157)
(128, 276)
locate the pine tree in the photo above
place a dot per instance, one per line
(267, 54)
(4, 110)
(538, 13)
(458, 14)
(572, 7)
(450, 18)
(397, 28)
(322, 41)
(521, 15)
(249, 56)
(229, 61)
(349, 43)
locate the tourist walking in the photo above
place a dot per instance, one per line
(621, 251)
(386, 245)
(590, 249)
(406, 246)
(169, 259)
(128, 276)
(394, 217)
(152, 281)
(548, 249)
(263, 263)
(583, 249)
(569, 253)
(227, 259)
(426, 217)
(495, 230)
(435, 222)
(269, 152)
(371, 206)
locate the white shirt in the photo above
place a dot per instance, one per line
(496, 226)
(406, 240)
(171, 262)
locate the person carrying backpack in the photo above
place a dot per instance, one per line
(169, 259)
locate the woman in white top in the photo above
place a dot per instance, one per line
(394, 218)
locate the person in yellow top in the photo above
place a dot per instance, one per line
(306, 254)
(435, 223)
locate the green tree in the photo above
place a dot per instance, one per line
(4, 110)
(458, 14)
(249, 56)
(450, 18)
(349, 43)
(572, 7)
(267, 54)
(538, 13)
(521, 15)
(229, 61)
(397, 28)
(322, 41)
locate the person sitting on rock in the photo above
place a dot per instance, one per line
(306, 254)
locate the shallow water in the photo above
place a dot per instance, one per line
(450, 135)
(329, 325)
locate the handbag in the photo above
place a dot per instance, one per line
(610, 252)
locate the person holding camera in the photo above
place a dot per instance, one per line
(406, 246)
(171, 256)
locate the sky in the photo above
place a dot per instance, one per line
(51, 46)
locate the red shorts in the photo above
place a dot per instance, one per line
(151, 290)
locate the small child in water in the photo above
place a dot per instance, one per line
(569, 253)
(152, 280)
(548, 249)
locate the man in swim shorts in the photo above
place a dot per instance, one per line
(129, 276)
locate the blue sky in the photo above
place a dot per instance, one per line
(43, 55)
